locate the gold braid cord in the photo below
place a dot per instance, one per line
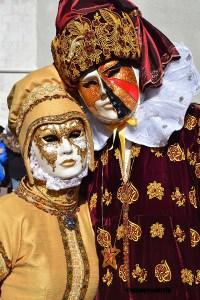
(88, 42)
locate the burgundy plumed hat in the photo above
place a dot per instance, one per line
(90, 32)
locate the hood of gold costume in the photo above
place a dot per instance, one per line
(38, 99)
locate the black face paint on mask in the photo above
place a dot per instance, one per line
(121, 109)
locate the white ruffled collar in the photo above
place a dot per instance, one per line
(161, 110)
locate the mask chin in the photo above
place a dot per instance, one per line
(54, 183)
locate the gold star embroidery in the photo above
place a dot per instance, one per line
(109, 255)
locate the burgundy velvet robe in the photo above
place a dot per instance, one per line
(163, 231)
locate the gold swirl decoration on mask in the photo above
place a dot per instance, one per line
(89, 41)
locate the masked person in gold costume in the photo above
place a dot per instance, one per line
(47, 248)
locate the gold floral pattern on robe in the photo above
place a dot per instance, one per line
(155, 190)
(135, 150)
(175, 153)
(197, 170)
(192, 197)
(108, 278)
(107, 197)
(157, 230)
(104, 158)
(157, 152)
(163, 272)
(139, 273)
(178, 197)
(120, 232)
(194, 237)
(179, 234)
(197, 277)
(190, 122)
(93, 201)
(187, 277)
(192, 157)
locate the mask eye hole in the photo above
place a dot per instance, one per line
(50, 138)
(113, 72)
(75, 134)
(90, 83)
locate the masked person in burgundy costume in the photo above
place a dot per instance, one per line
(47, 246)
(144, 191)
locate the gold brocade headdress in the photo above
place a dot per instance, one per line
(87, 41)
(92, 32)
(41, 98)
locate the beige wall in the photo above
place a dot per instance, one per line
(178, 19)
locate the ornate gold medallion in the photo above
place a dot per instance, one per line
(134, 231)
(127, 193)
(123, 273)
(190, 122)
(103, 238)
(194, 237)
(193, 197)
(163, 272)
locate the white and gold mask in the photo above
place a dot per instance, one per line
(61, 149)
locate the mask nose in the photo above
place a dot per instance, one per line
(66, 147)
(102, 90)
